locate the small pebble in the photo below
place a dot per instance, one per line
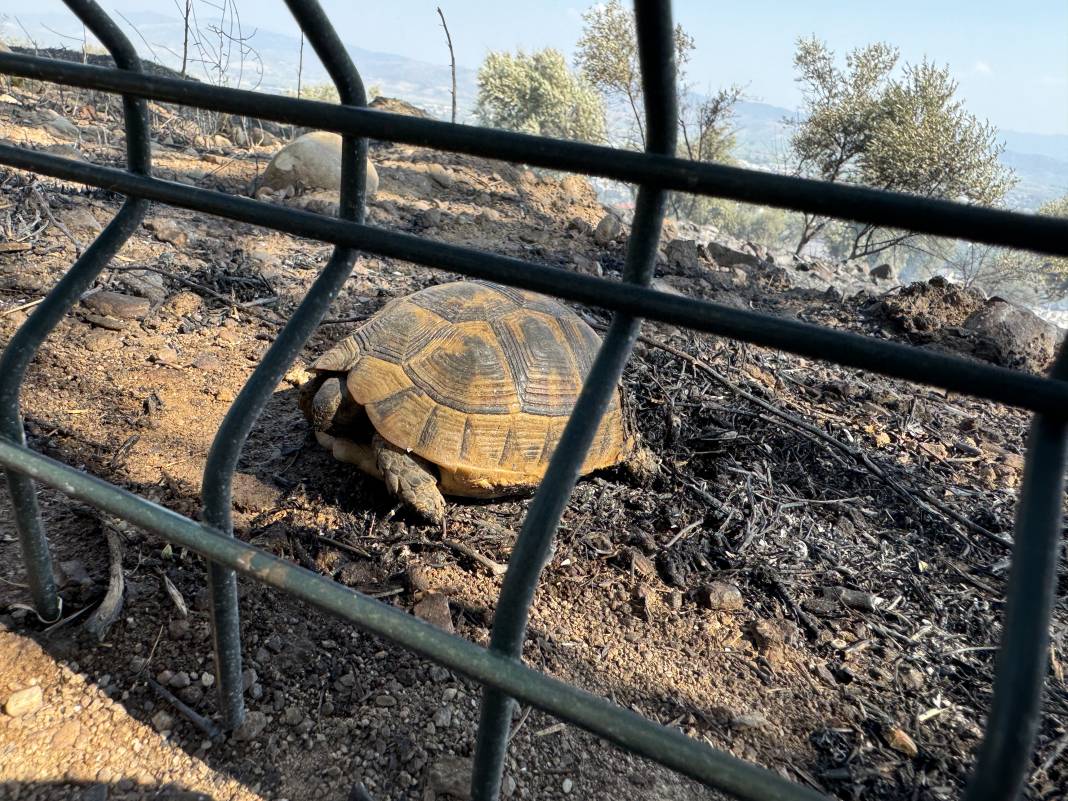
(180, 680)
(901, 742)
(24, 702)
(163, 721)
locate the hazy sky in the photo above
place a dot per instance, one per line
(1011, 59)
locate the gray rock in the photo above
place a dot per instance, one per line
(62, 127)
(434, 609)
(443, 717)
(728, 256)
(441, 176)
(1012, 336)
(118, 305)
(180, 680)
(607, 230)
(145, 284)
(252, 727)
(170, 231)
(722, 596)
(682, 256)
(582, 264)
(451, 775)
(312, 161)
(580, 225)
(163, 721)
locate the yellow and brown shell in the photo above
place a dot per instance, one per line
(479, 379)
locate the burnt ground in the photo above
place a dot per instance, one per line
(814, 580)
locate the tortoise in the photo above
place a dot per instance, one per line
(462, 388)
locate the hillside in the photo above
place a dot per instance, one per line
(813, 578)
(1040, 161)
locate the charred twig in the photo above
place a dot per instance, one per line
(347, 548)
(111, 607)
(238, 305)
(39, 301)
(206, 290)
(79, 247)
(495, 568)
(916, 497)
(201, 722)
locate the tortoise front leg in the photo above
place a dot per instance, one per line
(345, 450)
(410, 479)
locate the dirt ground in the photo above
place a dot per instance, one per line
(794, 587)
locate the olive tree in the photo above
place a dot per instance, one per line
(537, 93)
(607, 56)
(904, 132)
(1021, 275)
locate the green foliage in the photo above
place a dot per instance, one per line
(909, 133)
(771, 227)
(607, 56)
(323, 92)
(538, 94)
(705, 134)
(326, 92)
(1016, 272)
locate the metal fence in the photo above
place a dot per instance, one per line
(1013, 720)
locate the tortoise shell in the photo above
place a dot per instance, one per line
(477, 378)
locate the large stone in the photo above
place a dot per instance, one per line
(434, 609)
(1013, 336)
(729, 257)
(61, 127)
(682, 256)
(252, 727)
(882, 272)
(312, 161)
(450, 775)
(116, 304)
(607, 230)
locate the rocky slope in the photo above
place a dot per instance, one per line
(814, 580)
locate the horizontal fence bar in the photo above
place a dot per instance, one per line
(880, 356)
(889, 209)
(668, 746)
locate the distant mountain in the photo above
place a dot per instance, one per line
(1040, 161)
(762, 137)
(159, 37)
(1054, 146)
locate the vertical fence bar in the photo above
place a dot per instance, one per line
(24, 344)
(1023, 653)
(226, 447)
(656, 57)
